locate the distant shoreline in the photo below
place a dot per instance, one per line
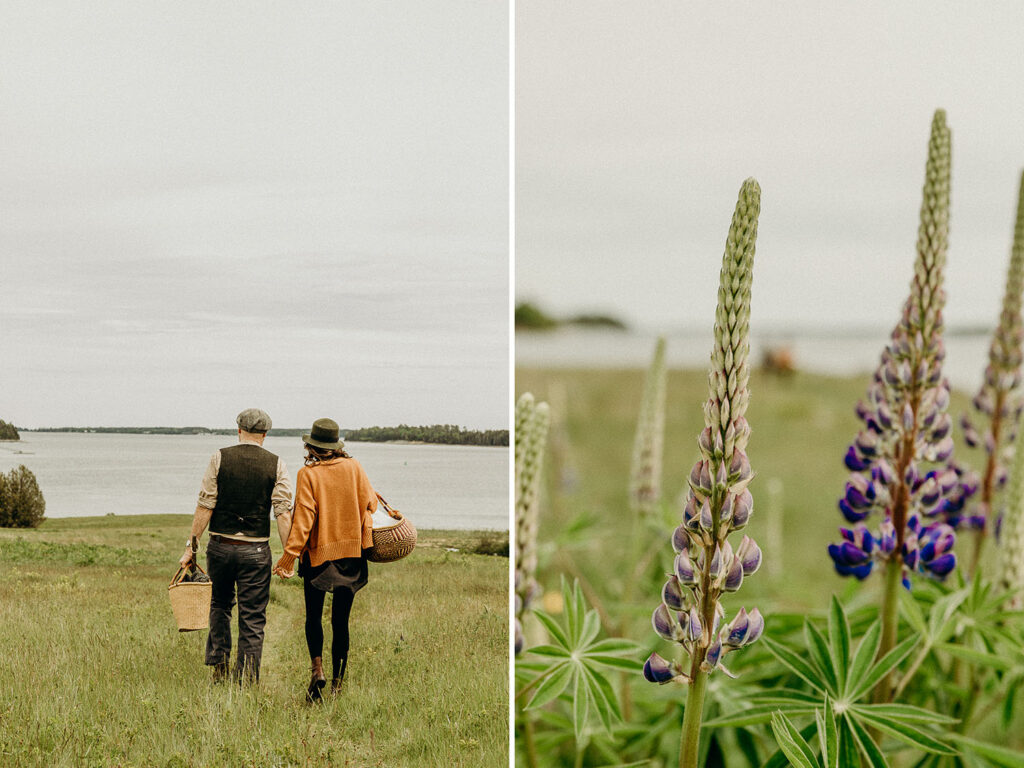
(465, 437)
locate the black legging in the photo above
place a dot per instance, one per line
(341, 606)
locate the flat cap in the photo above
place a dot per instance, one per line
(254, 420)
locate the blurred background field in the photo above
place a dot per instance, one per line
(802, 424)
(93, 671)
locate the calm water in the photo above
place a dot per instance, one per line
(437, 486)
(839, 354)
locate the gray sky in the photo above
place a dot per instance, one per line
(636, 124)
(297, 206)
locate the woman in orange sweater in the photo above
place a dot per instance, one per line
(331, 526)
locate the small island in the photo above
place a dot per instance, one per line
(530, 317)
(8, 431)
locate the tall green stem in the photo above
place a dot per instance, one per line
(890, 622)
(690, 744)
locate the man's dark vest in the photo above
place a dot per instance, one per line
(245, 482)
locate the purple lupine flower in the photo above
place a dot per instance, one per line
(719, 502)
(906, 427)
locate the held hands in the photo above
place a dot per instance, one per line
(279, 571)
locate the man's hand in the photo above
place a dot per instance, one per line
(188, 558)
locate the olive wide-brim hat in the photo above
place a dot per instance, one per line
(325, 434)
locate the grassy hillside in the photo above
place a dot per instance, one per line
(94, 671)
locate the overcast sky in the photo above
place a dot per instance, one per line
(636, 124)
(296, 206)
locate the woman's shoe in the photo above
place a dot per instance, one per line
(317, 681)
(339, 676)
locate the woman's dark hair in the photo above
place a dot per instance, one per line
(315, 455)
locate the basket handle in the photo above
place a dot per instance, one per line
(181, 572)
(387, 508)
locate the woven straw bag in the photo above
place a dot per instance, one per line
(190, 601)
(392, 542)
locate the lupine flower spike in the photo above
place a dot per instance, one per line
(998, 402)
(906, 426)
(531, 435)
(707, 565)
(645, 478)
(1011, 537)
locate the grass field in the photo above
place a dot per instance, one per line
(94, 673)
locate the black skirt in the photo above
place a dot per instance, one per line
(350, 573)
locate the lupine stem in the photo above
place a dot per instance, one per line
(692, 715)
(890, 623)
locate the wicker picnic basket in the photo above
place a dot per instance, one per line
(190, 601)
(392, 542)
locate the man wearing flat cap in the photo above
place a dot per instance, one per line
(242, 486)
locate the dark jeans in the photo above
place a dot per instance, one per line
(244, 568)
(341, 607)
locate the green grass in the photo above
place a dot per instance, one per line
(94, 673)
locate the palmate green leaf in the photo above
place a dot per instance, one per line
(603, 697)
(867, 746)
(615, 662)
(982, 658)
(792, 744)
(552, 686)
(885, 665)
(779, 759)
(906, 713)
(549, 650)
(556, 632)
(828, 734)
(590, 630)
(863, 658)
(1001, 756)
(822, 657)
(839, 635)
(756, 715)
(782, 696)
(909, 734)
(614, 645)
(795, 663)
(580, 708)
(847, 745)
(910, 609)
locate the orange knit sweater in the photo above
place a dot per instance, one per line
(332, 519)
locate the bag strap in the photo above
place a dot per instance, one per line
(387, 508)
(181, 572)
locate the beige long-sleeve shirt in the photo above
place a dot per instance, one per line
(280, 497)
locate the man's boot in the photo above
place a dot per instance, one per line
(317, 681)
(220, 671)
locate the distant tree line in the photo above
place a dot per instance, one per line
(8, 431)
(21, 501)
(446, 434)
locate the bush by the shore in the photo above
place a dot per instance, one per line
(21, 502)
(8, 431)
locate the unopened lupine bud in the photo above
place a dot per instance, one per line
(531, 429)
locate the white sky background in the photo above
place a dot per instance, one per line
(636, 124)
(296, 206)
